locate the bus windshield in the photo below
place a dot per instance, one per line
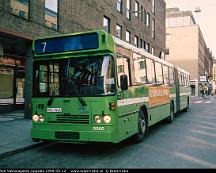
(86, 76)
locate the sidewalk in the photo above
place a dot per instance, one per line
(15, 133)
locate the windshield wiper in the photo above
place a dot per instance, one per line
(81, 100)
(74, 87)
(50, 101)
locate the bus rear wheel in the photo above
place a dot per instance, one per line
(188, 106)
(172, 113)
(142, 128)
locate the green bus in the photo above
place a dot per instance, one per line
(93, 87)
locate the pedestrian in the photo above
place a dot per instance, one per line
(201, 89)
(205, 90)
(210, 90)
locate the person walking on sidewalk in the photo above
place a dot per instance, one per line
(205, 90)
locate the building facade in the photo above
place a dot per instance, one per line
(186, 47)
(139, 22)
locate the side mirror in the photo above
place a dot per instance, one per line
(124, 82)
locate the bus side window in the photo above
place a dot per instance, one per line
(179, 78)
(139, 69)
(150, 71)
(171, 75)
(183, 79)
(122, 68)
(166, 75)
(159, 73)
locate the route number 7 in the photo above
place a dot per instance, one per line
(44, 46)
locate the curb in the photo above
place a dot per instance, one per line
(19, 150)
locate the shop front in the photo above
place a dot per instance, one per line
(12, 80)
(15, 72)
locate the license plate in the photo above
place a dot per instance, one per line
(54, 109)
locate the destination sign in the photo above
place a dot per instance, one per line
(66, 43)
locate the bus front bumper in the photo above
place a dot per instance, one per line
(71, 135)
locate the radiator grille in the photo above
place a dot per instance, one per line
(67, 135)
(73, 119)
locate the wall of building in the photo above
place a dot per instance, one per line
(88, 15)
(182, 43)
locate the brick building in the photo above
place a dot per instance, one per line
(139, 22)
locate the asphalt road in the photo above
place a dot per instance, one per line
(189, 142)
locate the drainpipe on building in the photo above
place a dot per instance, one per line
(28, 80)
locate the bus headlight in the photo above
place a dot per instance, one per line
(98, 119)
(35, 118)
(41, 118)
(107, 119)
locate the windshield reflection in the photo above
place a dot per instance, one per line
(88, 76)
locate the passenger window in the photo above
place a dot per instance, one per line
(171, 75)
(159, 73)
(150, 71)
(166, 75)
(140, 68)
(122, 68)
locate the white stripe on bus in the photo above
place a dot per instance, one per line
(185, 94)
(130, 101)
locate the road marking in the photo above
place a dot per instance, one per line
(201, 141)
(195, 160)
(208, 102)
(204, 133)
(210, 128)
(198, 102)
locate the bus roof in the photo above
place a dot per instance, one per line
(183, 71)
(144, 53)
(140, 51)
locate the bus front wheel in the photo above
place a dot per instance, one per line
(142, 128)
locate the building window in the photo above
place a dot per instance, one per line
(141, 43)
(119, 5)
(120, 69)
(141, 13)
(153, 28)
(147, 19)
(128, 9)
(119, 31)
(167, 52)
(153, 50)
(142, 65)
(136, 9)
(147, 47)
(136, 41)
(20, 8)
(153, 6)
(106, 24)
(128, 36)
(51, 13)
(162, 55)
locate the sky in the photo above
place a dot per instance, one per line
(205, 19)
